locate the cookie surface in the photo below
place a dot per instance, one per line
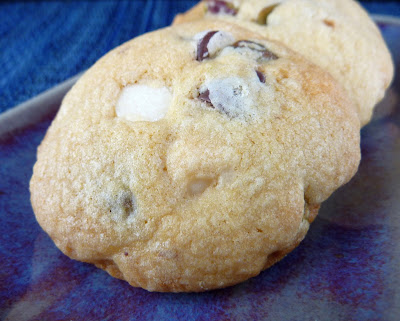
(336, 35)
(193, 157)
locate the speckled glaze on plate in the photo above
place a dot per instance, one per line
(347, 268)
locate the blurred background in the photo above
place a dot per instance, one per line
(43, 43)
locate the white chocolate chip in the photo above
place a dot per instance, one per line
(143, 103)
(199, 185)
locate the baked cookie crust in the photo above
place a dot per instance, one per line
(241, 141)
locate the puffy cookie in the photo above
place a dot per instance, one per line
(193, 157)
(336, 35)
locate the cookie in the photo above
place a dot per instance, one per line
(193, 157)
(336, 35)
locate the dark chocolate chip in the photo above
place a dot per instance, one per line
(222, 7)
(261, 76)
(205, 96)
(263, 14)
(329, 23)
(202, 49)
(266, 54)
(122, 205)
(128, 204)
(249, 44)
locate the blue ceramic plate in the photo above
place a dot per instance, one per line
(347, 268)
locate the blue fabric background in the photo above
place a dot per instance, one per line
(44, 43)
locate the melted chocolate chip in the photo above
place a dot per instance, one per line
(266, 54)
(205, 96)
(221, 7)
(264, 13)
(202, 49)
(261, 76)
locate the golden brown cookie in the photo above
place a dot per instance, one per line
(337, 35)
(193, 157)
